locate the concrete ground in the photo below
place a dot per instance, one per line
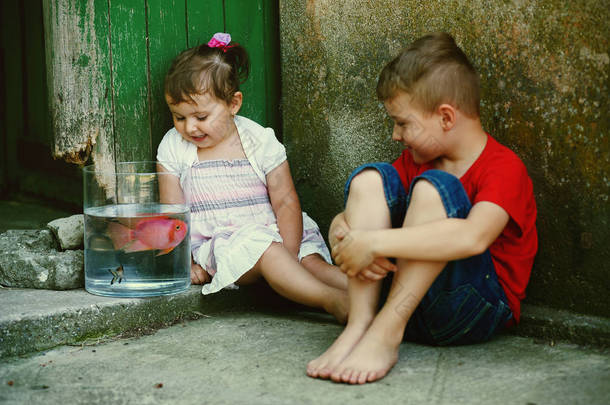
(239, 349)
(251, 347)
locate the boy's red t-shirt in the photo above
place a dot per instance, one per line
(500, 177)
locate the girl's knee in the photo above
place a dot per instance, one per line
(276, 252)
(316, 264)
(250, 276)
(274, 249)
(312, 259)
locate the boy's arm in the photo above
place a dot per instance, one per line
(443, 240)
(286, 206)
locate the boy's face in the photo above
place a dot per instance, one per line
(206, 122)
(419, 132)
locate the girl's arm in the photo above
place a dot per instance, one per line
(170, 191)
(443, 240)
(286, 206)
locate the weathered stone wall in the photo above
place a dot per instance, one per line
(544, 68)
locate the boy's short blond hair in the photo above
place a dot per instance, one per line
(433, 71)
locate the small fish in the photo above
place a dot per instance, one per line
(117, 274)
(157, 233)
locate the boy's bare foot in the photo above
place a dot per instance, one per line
(323, 366)
(369, 361)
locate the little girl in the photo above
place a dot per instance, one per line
(246, 219)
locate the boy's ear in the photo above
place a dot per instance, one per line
(236, 102)
(447, 115)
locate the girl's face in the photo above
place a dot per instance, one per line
(207, 122)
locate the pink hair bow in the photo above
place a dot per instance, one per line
(220, 40)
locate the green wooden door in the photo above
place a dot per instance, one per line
(106, 61)
(81, 81)
(27, 167)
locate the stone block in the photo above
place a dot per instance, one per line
(30, 259)
(69, 231)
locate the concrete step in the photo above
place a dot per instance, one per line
(34, 320)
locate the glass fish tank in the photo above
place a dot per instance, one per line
(137, 228)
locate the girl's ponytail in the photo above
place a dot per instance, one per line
(219, 67)
(237, 56)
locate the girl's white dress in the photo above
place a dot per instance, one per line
(232, 221)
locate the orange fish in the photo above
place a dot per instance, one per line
(156, 233)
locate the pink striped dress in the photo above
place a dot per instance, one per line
(233, 223)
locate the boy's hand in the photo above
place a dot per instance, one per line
(353, 253)
(377, 270)
(380, 267)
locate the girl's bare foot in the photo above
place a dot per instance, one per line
(323, 366)
(338, 307)
(369, 361)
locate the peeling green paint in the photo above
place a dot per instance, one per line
(78, 81)
(544, 71)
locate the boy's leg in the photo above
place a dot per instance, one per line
(366, 208)
(377, 350)
(466, 303)
(440, 303)
(291, 280)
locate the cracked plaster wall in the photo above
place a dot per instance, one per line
(544, 68)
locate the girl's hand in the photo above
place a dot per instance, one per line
(198, 274)
(353, 253)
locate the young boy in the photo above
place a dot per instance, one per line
(463, 235)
